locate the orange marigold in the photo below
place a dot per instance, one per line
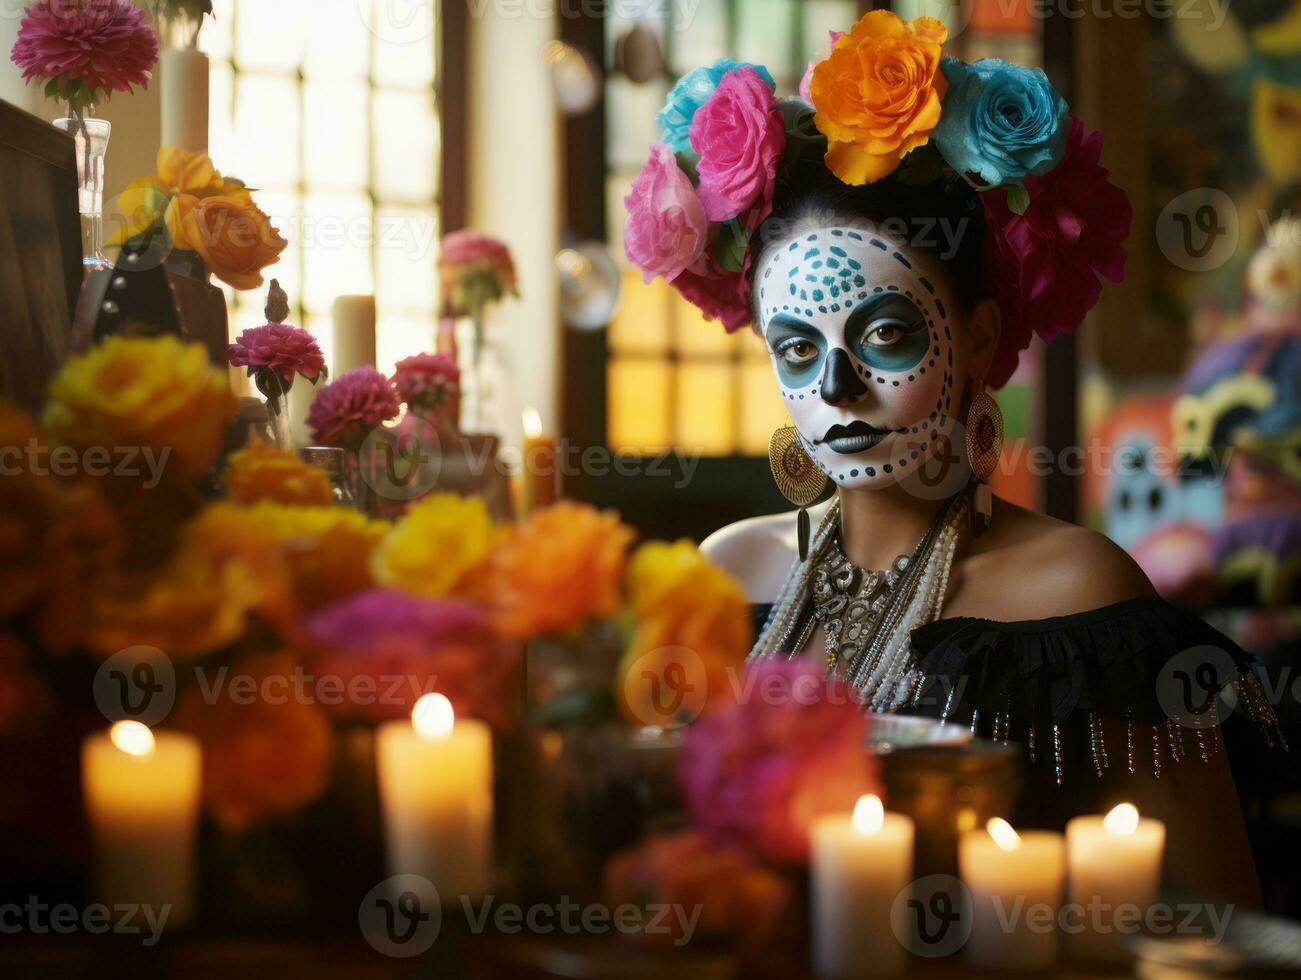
(557, 571)
(263, 472)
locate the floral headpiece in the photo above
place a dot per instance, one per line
(884, 104)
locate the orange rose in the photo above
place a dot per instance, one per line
(263, 472)
(877, 97)
(231, 234)
(180, 172)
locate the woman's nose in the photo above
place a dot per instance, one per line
(840, 382)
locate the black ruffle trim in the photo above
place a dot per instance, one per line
(1125, 661)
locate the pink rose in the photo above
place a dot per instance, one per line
(740, 137)
(666, 229)
(806, 83)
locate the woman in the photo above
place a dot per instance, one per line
(891, 295)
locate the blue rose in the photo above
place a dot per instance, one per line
(691, 92)
(1000, 122)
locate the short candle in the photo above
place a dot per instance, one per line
(860, 864)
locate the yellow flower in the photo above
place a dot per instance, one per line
(561, 569)
(232, 235)
(263, 472)
(692, 626)
(437, 546)
(182, 172)
(877, 96)
(142, 205)
(155, 395)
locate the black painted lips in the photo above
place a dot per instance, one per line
(857, 437)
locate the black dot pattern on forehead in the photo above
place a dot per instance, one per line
(903, 260)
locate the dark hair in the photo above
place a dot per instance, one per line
(943, 218)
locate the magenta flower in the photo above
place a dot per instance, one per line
(788, 748)
(86, 49)
(1046, 262)
(719, 293)
(349, 408)
(280, 349)
(740, 137)
(666, 231)
(401, 647)
(475, 270)
(428, 381)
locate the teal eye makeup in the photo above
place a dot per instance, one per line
(798, 350)
(888, 333)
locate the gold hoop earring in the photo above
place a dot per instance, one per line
(797, 477)
(984, 449)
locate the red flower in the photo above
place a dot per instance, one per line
(283, 349)
(347, 409)
(104, 46)
(720, 294)
(1045, 264)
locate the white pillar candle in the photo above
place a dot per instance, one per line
(301, 396)
(354, 333)
(185, 99)
(1114, 861)
(1016, 883)
(435, 787)
(142, 799)
(860, 864)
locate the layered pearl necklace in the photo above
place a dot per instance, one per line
(867, 617)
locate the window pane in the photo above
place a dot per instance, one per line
(699, 35)
(706, 408)
(406, 257)
(337, 231)
(405, 134)
(401, 335)
(217, 38)
(696, 335)
(821, 17)
(761, 407)
(265, 107)
(335, 40)
(642, 323)
(404, 46)
(270, 36)
(766, 33)
(631, 120)
(639, 405)
(335, 128)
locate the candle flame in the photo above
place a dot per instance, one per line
(1005, 836)
(132, 738)
(433, 717)
(1122, 820)
(869, 815)
(532, 423)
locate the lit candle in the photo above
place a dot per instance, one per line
(354, 333)
(860, 864)
(539, 481)
(1016, 882)
(435, 786)
(142, 799)
(185, 99)
(1114, 861)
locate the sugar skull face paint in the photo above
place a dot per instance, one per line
(862, 344)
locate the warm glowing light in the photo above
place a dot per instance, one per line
(433, 717)
(132, 738)
(1005, 836)
(532, 423)
(1122, 820)
(869, 815)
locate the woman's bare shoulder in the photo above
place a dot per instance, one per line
(758, 551)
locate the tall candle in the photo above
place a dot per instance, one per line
(301, 395)
(860, 864)
(1016, 883)
(1114, 861)
(142, 799)
(354, 333)
(185, 99)
(540, 476)
(435, 786)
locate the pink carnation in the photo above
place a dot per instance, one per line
(402, 647)
(666, 231)
(287, 351)
(466, 247)
(346, 410)
(1044, 264)
(430, 384)
(719, 293)
(740, 137)
(104, 46)
(790, 747)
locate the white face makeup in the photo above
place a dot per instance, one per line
(862, 345)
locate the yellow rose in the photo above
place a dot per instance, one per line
(155, 395)
(436, 547)
(141, 206)
(231, 234)
(877, 96)
(263, 472)
(180, 172)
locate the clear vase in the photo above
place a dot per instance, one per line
(91, 136)
(480, 380)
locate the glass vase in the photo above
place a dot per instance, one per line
(91, 136)
(480, 379)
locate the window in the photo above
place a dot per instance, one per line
(331, 112)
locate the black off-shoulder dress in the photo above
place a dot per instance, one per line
(1128, 688)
